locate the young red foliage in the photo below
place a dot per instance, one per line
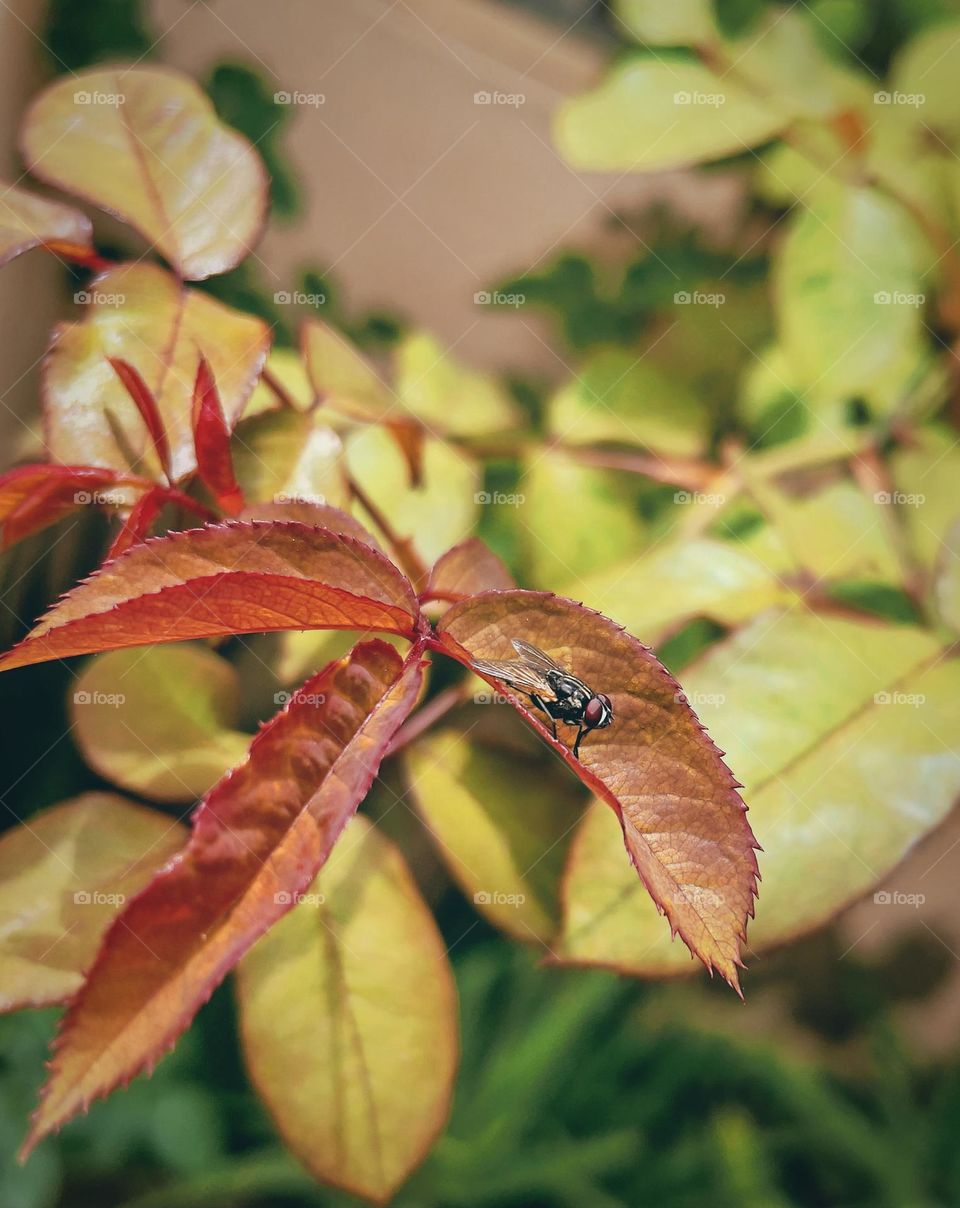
(237, 577)
(146, 404)
(466, 570)
(211, 437)
(259, 838)
(138, 522)
(35, 496)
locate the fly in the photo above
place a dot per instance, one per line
(552, 690)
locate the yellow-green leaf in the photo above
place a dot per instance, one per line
(660, 113)
(281, 456)
(64, 875)
(924, 73)
(680, 23)
(28, 221)
(349, 1021)
(574, 519)
(341, 377)
(445, 395)
(618, 397)
(836, 533)
(672, 583)
(159, 721)
(844, 734)
(144, 143)
(783, 62)
(435, 515)
(500, 825)
(926, 473)
(849, 287)
(947, 586)
(287, 369)
(140, 314)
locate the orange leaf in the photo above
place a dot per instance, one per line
(28, 221)
(144, 143)
(259, 838)
(683, 821)
(211, 439)
(466, 570)
(35, 496)
(238, 577)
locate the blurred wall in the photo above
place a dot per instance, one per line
(417, 196)
(30, 296)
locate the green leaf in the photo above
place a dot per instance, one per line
(287, 367)
(159, 721)
(621, 398)
(280, 456)
(434, 515)
(64, 875)
(926, 69)
(925, 474)
(575, 518)
(850, 292)
(844, 735)
(783, 61)
(661, 113)
(681, 23)
(835, 533)
(349, 1020)
(340, 376)
(445, 395)
(948, 579)
(654, 594)
(500, 826)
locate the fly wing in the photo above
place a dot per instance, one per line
(535, 657)
(518, 675)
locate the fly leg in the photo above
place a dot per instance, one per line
(543, 709)
(576, 745)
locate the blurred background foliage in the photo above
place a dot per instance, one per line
(578, 1088)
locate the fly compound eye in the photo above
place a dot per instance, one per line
(595, 711)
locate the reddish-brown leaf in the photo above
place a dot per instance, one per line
(139, 519)
(211, 437)
(684, 823)
(259, 838)
(35, 496)
(467, 570)
(237, 577)
(146, 404)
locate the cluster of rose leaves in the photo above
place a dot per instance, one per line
(161, 441)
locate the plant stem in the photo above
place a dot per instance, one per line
(431, 713)
(408, 558)
(283, 395)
